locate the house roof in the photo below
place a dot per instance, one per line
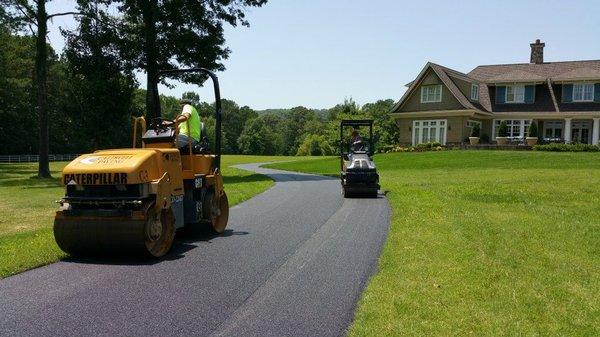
(444, 74)
(531, 72)
(544, 73)
(521, 72)
(584, 73)
(516, 76)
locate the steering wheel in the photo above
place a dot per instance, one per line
(358, 145)
(160, 124)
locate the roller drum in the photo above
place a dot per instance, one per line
(142, 233)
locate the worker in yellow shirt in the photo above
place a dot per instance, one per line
(188, 123)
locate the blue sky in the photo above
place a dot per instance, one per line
(316, 53)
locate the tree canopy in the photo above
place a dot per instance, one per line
(154, 35)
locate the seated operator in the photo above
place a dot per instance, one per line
(356, 142)
(189, 117)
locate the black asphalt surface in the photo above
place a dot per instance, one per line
(293, 262)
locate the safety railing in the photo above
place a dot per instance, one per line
(29, 158)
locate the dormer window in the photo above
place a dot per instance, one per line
(474, 92)
(431, 93)
(515, 94)
(583, 92)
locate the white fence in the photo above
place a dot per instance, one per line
(28, 158)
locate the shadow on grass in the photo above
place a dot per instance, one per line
(31, 182)
(25, 176)
(185, 241)
(20, 169)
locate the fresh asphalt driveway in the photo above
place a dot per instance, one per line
(293, 262)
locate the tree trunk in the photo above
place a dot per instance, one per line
(41, 71)
(149, 13)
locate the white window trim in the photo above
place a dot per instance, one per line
(475, 92)
(514, 101)
(420, 127)
(553, 125)
(579, 125)
(522, 129)
(431, 86)
(583, 91)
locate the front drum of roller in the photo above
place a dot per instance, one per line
(216, 211)
(93, 235)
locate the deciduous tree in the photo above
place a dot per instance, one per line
(32, 14)
(167, 34)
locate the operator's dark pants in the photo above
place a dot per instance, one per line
(184, 140)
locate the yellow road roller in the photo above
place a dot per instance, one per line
(135, 199)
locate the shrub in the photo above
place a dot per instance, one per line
(428, 146)
(560, 147)
(475, 130)
(503, 129)
(387, 149)
(432, 146)
(533, 130)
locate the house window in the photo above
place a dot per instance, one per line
(475, 92)
(431, 93)
(553, 131)
(429, 131)
(515, 94)
(580, 132)
(516, 127)
(583, 92)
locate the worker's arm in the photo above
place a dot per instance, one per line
(182, 118)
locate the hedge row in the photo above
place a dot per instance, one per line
(559, 147)
(432, 146)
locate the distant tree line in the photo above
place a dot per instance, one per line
(92, 101)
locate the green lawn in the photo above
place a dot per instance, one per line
(484, 243)
(27, 209)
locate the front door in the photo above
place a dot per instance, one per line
(553, 131)
(580, 132)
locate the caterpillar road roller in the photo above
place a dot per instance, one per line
(358, 175)
(135, 199)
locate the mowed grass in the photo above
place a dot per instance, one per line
(484, 244)
(27, 208)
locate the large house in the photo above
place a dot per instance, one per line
(563, 98)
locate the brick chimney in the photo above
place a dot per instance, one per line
(537, 52)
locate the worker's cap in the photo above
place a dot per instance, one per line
(185, 101)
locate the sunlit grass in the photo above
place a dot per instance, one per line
(485, 243)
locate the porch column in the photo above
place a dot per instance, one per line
(567, 130)
(596, 131)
